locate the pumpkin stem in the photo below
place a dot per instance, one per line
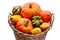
(30, 6)
(26, 24)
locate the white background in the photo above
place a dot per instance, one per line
(6, 32)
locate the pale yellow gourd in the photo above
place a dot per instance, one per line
(45, 26)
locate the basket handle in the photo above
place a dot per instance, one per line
(53, 17)
(9, 20)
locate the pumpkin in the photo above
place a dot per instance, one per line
(24, 25)
(46, 16)
(30, 9)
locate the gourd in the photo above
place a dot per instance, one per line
(15, 18)
(16, 10)
(36, 20)
(36, 30)
(45, 26)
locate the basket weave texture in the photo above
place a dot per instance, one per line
(22, 36)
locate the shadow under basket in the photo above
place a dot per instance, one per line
(22, 36)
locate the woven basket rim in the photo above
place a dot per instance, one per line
(12, 26)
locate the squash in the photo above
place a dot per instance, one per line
(36, 20)
(15, 18)
(45, 26)
(36, 30)
(16, 10)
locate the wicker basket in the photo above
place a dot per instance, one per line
(22, 36)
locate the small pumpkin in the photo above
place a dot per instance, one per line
(36, 30)
(24, 25)
(36, 20)
(46, 16)
(16, 10)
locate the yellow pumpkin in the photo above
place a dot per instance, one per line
(15, 18)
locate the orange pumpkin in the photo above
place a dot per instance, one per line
(24, 25)
(30, 9)
(46, 16)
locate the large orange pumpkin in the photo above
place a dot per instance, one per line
(30, 9)
(24, 25)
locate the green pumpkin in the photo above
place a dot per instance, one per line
(16, 10)
(36, 20)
